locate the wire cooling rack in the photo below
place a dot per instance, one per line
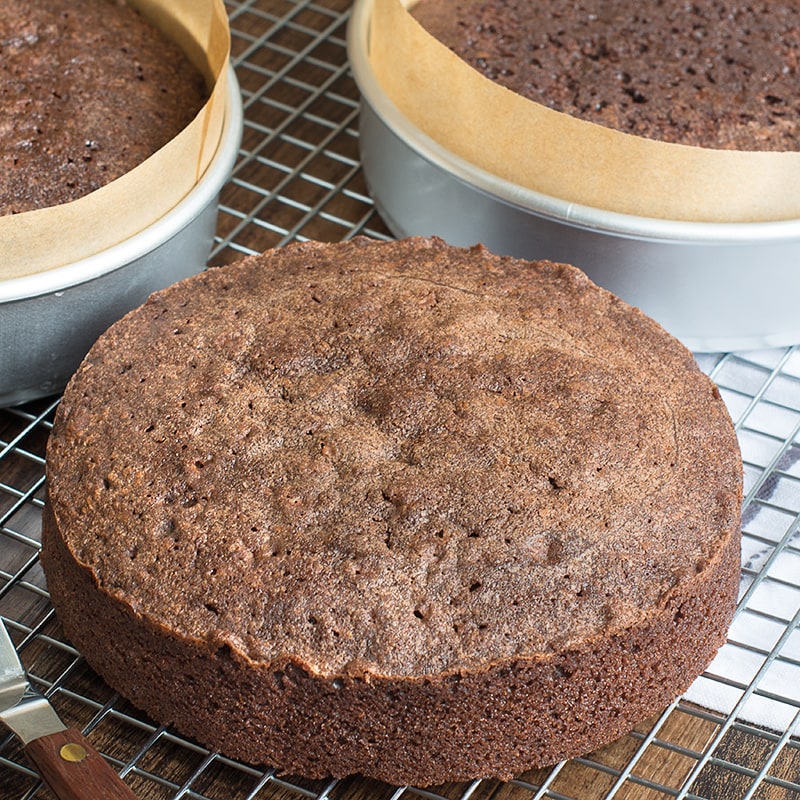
(298, 177)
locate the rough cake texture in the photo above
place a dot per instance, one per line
(402, 509)
(713, 73)
(88, 90)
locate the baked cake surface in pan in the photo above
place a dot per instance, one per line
(88, 90)
(715, 74)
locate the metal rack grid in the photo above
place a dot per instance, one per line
(298, 177)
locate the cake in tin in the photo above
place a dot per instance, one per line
(393, 508)
(88, 90)
(711, 73)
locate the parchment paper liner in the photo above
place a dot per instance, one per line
(558, 155)
(51, 237)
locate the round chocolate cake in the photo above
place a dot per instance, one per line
(400, 509)
(88, 90)
(712, 73)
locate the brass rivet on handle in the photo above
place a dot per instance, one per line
(73, 752)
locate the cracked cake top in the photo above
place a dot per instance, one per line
(393, 459)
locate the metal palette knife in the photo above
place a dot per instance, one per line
(66, 761)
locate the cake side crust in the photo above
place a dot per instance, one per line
(511, 716)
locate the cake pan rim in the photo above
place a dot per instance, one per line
(615, 223)
(147, 240)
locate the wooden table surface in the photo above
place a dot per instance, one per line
(298, 177)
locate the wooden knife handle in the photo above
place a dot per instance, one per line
(74, 770)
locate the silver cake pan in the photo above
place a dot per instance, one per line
(715, 286)
(48, 321)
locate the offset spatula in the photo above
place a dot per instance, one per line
(68, 764)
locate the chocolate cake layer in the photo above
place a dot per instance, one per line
(403, 509)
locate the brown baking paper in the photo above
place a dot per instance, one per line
(553, 153)
(39, 240)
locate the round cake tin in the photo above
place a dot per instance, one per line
(715, 286)
(49, 320)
